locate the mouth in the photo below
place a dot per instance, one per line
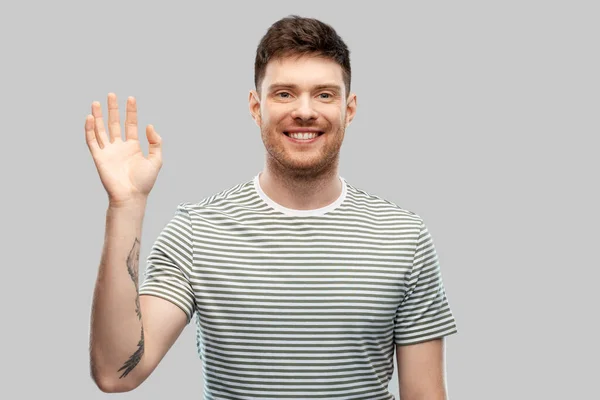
(303, 137)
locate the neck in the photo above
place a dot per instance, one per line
(301, 191)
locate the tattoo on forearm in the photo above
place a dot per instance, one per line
(134, 359)
(133, 268)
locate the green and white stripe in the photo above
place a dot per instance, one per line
(300, 304)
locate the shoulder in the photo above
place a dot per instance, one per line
(226, 199)
(369, 203)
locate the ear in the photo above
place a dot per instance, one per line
(350, 108)
(254, 106)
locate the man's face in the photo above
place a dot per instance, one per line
(302, 95)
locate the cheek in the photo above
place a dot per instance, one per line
(275, 118)
(335, 118)
(267, 116)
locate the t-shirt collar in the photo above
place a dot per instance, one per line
(300, 213)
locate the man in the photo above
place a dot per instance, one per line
(302, 284)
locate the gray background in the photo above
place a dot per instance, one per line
(482, 118)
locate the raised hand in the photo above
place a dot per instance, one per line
(126, 174)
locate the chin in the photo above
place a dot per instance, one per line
(305, 167)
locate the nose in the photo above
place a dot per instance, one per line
(304, 110)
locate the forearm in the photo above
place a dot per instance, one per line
(116, 333)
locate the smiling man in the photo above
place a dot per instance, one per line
(303, 286)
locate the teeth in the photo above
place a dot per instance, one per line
(304, 135)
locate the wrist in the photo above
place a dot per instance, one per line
(138, 203)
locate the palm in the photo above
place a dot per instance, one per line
(124, 171)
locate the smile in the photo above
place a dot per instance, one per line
(303, 136)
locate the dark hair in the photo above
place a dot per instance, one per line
(297, 36)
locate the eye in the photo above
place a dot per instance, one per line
(329, 95)
(283, 93)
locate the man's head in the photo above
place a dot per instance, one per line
(302, 76)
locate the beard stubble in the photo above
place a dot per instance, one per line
(314, 164)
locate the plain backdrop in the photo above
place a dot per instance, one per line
(481, 117)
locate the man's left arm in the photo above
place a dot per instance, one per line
(422, 370)
(423, 320)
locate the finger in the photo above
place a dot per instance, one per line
(99, 124)
(154, 145)
(114, 125)
(90, 135)
(131, 120)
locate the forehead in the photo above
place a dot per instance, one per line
(305, 71)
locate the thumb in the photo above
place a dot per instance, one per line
(154, 145)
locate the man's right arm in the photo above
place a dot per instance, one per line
(130, 334)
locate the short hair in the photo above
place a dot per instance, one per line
(297, 36)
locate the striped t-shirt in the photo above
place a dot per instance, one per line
(300, 304)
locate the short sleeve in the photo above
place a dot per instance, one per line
(424, 312)
(169, 264)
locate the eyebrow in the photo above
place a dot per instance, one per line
(275, 85)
